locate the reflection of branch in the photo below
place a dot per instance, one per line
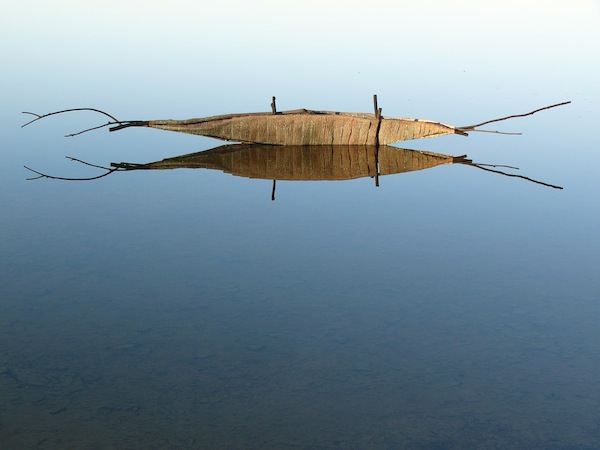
(483, 167)
(87, 163)
(180, 162)
(462, 159)
(124, 166)
(52, 177)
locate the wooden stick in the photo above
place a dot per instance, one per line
(41, 116)
(472, 127)
(375, 104)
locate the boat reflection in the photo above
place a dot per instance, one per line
(303, 163)
(312, 163)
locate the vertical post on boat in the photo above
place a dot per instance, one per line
(273, 106)
(377, 118)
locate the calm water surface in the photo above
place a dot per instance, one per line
(447, 308)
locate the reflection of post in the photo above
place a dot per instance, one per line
(273, 191)
(377, 166)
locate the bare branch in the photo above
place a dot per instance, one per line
(472, 127)
(91, 129)
(42, 116)
(494, 132)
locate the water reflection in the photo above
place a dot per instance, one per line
(303, 163)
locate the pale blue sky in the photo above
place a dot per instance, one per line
(206, 57)
(293, 39)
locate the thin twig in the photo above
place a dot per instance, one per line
(42, 116)
(492, 131)
(472, 127)
(91, 129)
